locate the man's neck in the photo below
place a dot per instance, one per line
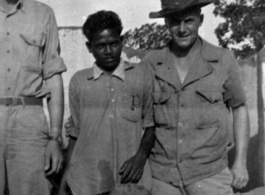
(184, 58)
(7, 5)
(186, 52)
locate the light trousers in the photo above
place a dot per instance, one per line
(219, 184)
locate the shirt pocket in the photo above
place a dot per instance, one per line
(131, 107)
(33, 51)
(208, 111)
(163, 112)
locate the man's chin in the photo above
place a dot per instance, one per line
(184, 44)
(111, 66)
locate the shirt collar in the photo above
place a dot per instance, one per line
(17, 6)
(210, 52)
(21, 6)
(118, 72)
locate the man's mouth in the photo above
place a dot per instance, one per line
(181, 36)
(109, 59)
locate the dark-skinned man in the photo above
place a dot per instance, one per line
(111, 105)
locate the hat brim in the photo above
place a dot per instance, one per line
(164, 12)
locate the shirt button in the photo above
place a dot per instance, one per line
(180, 141)
(7, 33)
(8, 51)
(182, 105)
(112, 89)
(113, 100)
(8, 69)
(8, 89)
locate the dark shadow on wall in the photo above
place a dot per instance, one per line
(253, 164)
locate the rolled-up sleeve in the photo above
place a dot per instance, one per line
(234, 91)
(52, 62)
(74, 109)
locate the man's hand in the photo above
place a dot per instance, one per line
(53, 157)
(63, 190)
(69, 124)
(240, 175)
(132, 169)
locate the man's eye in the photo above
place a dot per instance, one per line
(189, 20)
(100, 46)
(114, 44)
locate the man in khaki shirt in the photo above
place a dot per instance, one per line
(197, 89)
(30, 71)
(111, 107)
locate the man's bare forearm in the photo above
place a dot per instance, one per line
(148, 141)
(241, 132)
(56, 104)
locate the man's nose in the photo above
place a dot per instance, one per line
(182, 27)
(108, 49)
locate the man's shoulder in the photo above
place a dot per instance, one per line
(138, 67)
(212, 52)
(156, 53)
(153, 57)
(82, 74)
(38, 7)
(138, 72)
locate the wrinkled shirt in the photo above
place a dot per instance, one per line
(109, 114)
(29, 49)
(193, 118)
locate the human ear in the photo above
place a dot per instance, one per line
(201, 19)
(88, 45)
(167, 23)
(122, 39)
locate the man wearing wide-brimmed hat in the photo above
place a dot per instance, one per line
(198, 90)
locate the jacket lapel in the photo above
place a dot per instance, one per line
(166, 71)
(199, 69)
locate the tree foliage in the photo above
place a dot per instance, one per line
(243, 29)
(148, 36)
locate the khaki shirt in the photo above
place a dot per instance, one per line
(193, 124)
(29, 49)
(109, 115)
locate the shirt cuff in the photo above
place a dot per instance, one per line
(53, 67)
(148, 123)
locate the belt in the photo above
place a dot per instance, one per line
(15, 101)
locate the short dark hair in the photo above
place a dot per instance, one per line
(100, 21)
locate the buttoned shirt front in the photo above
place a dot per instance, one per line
(109, 113)
(29, 49)
(193, 124)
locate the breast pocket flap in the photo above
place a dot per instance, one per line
(211, 96)
(33, 39)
